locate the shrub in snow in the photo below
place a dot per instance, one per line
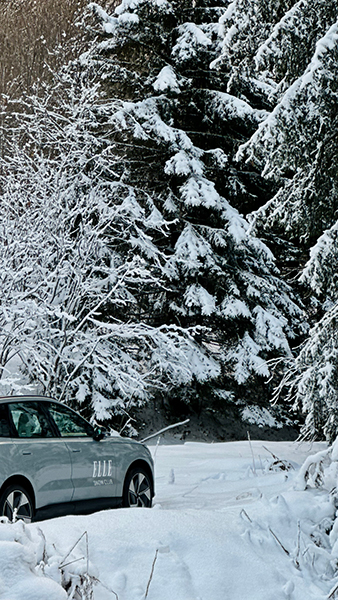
(320, 471)
(74, 243)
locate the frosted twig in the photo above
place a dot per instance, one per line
(85, 533)
(279, 542)
(287, 466)
(332, 593)
(243, 512)
(71, 562)
(298, 546)
(260, 460)
(151, 573)
(44, 553)
(156, 447)
(87, 551)
(129, 420)
(253, 458)
(105, 586)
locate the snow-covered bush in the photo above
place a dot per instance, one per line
(73, 246)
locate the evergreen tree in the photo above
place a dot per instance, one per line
(320, 272)
(313, 376)
(286, 53)
(246, 25)
(297, 147)
(312, 379)
(172, 123)
(150, 276)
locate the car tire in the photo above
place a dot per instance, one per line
(16, 504)
(137, 489)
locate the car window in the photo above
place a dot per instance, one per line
(69, 423)
(4, 423)
(29, 420)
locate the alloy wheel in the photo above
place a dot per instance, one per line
(17, 506)
(139, 491)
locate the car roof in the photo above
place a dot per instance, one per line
(4, 399)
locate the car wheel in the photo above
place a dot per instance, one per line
(16, 503)
(137, 489)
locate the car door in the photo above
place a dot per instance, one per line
(41, 455)
(93, 463)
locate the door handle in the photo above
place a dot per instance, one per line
(26, 453)
(76, 450)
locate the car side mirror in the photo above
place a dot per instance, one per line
(98, 434)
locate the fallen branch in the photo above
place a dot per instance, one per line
(163, 430)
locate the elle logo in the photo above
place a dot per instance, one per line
(102, 468)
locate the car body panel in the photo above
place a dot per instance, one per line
(8, 454)
(46, 463)
(127, 453)
(93, 468)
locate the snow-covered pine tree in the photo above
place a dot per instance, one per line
(297, 147)
(170, 121)
(285, 54)
(245, 26)
(312, 379)
(320, 274)
(313, 376)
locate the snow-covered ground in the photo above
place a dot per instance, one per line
(224, 526)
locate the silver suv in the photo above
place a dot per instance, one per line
(53, 462)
